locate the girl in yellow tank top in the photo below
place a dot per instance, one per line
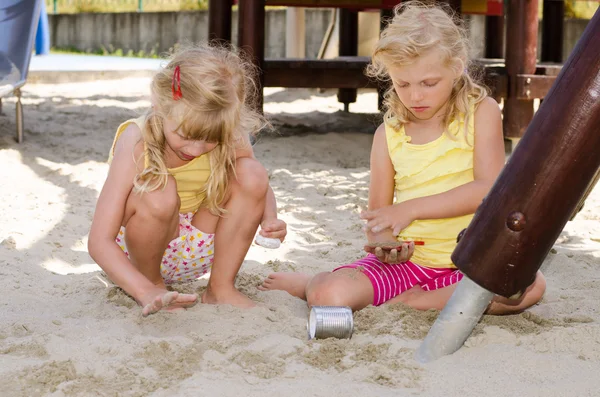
(184, 195)
(433, 160)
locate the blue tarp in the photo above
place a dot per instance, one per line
(18, 23)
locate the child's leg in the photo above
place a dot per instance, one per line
(151, 222)
(532, 295)
(344, 287)
(234, 231)
(420, 299)
(364, 282)
(293, 283)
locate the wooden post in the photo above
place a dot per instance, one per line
(251, 40)
(494, 36)
(552, 31)
(542, 183)
(295, 32)
(385, 16)
(521, 58)
(219, 20)
(348, 39)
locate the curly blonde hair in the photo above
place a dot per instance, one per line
(215, 107)
(416, 29)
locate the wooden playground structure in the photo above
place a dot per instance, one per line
(513, 75)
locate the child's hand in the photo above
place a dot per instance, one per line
(160, 299)
(395, 217)
(273, 228)
(391, 252)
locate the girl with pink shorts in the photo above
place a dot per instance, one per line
(433, 160)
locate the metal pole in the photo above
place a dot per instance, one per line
(19, 116)
(456, 322)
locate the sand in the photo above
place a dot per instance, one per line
(66, 331)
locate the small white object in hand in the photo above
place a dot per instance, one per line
(268, 242)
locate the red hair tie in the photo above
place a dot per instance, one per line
(176, 84)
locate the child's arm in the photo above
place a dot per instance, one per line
(381, 194)
(463, 200)
(381, 185)
(108, 217)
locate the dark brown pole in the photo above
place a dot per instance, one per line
(385, 17)
(552, 31)
(251, 39)
(543, 182)
(494, 36)
(348, 46)
(219, 20)
(521, 52)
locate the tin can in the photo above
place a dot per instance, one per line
(330, 322)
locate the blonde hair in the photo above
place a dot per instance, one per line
(416, 29)
(217, 90)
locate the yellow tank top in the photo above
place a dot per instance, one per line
(428, 169)
(190, 177)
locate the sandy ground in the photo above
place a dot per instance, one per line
(65, 331)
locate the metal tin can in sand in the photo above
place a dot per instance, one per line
(330, 322)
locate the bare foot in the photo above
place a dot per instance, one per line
(161, 299)
(292, 283)
(227, 297)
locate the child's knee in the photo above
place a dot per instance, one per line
(252, 178)
(538, 288)
(330, 292)
(412, 297)
(162, 203)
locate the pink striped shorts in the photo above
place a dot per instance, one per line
(391, 280)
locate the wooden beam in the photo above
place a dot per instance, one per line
(219, 20)
(530, 86)
(552, 31)
(251, 40)
(318, 73)
(494, 36)
(385, 17)
(521, 49)
(348, 46)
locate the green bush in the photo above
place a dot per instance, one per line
(77, 6)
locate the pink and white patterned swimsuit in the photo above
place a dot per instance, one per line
(187, 257)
